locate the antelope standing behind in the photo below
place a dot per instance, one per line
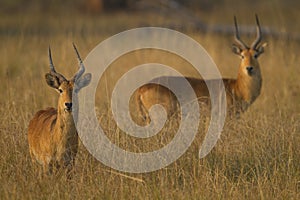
(52, 135)
(240, 92)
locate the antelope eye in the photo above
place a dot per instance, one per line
(60, 90)
(242, 56)
(256, 55)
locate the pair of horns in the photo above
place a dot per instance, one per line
(77, 75)
(255, 42)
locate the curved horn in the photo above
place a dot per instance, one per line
(52, 69)
(258, 34)
(81, 66)
(237, 36)
(50, 60)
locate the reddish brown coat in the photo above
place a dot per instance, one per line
(52, 135)
(240, 92)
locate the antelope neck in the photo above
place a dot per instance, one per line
(248, 87)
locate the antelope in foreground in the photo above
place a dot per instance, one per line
(52, 135)
(240, 92)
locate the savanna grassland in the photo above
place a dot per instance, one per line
(258, 155)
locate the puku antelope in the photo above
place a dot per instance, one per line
(240, 92)
(52, 135)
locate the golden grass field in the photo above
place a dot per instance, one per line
(258, 156)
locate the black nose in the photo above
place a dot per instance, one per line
(68, 105)
(249, 69)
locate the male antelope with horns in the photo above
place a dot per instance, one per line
(52, 135)
(240, 92)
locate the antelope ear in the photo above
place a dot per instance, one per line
(236, 49)
(52, 80)
(83, 81)
(261, 48)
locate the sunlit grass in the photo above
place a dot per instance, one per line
(257, 156)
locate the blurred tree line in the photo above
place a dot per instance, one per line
(96, 6)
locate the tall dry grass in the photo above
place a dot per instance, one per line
(257, 156)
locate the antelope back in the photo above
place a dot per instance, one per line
(240, 92)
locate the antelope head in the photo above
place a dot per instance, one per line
(249, 65)
(66, 87)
